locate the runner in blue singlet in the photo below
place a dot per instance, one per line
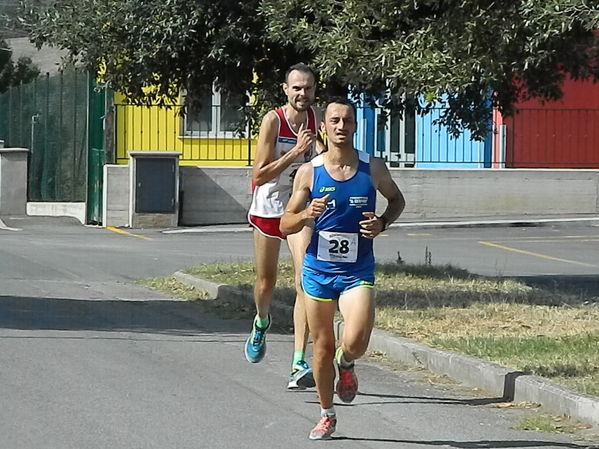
(339, 188)
(336, 250)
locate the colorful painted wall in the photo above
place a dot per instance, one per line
(140, 128)
(561, 134)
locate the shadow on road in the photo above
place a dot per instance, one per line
(155, 316)
(403, 399)
(586, 287)
(423, 286)
(474, 444)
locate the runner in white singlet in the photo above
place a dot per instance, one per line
(286, 140)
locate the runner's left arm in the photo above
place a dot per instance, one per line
(373, 225)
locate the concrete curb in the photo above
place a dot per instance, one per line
(507, 384)
(233, 295)
(558, 399)
(7, 228)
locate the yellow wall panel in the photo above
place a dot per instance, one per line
(141, 128)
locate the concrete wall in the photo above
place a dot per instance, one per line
(115, 196)
(223, 194)
(13, 181)
(215, 195)
(57, 209)
(447, 194)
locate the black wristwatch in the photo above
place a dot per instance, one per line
(385, 223)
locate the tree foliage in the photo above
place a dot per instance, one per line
(8, 26)
(465, 54)
(11, 73)
(151, 50)
(459, 52)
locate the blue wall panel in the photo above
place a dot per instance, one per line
(437, 148)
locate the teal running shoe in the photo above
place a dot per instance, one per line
(301, 377)
(255, 346)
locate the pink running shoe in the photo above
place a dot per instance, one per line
(347, 385)
(324, 429)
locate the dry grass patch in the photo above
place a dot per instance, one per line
(540, 331)
(551, 424)
(557, 343)
(240, 274)
(426, 286)
(172, 287)
(490, 320)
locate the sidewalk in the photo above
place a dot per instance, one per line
(495, 379)
(547, 220)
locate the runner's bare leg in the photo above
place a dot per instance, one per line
(266, 251)
(357, 308)
(297, 246)
(320, 318)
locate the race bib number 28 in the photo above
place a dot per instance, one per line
(337, 246)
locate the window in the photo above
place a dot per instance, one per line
(218, 117)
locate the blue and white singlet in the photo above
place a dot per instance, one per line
(337, 246)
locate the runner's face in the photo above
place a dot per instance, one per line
(339, 123)
(300, 90)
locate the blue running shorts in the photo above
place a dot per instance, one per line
(327, 287)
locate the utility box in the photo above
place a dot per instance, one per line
(154, 193)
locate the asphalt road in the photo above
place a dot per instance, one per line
(556, 250)
(571, 249)
(89, 360)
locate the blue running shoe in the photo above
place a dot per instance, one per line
(301, 377)
(255, 346)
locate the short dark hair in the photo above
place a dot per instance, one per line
(344, 101)
(300, 67)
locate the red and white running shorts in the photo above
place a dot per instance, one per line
(267, 226)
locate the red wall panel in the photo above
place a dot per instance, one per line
(559, 134)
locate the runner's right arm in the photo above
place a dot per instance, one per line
(265, 168)
(297, 215)
(321, 143)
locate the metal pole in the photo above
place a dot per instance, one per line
(249, 141)
(34, 121)
(502, 145)
(10, 115)
(20, 114)
(74, 173)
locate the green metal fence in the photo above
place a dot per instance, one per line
(49, 116)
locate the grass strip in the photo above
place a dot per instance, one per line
(545, 332)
